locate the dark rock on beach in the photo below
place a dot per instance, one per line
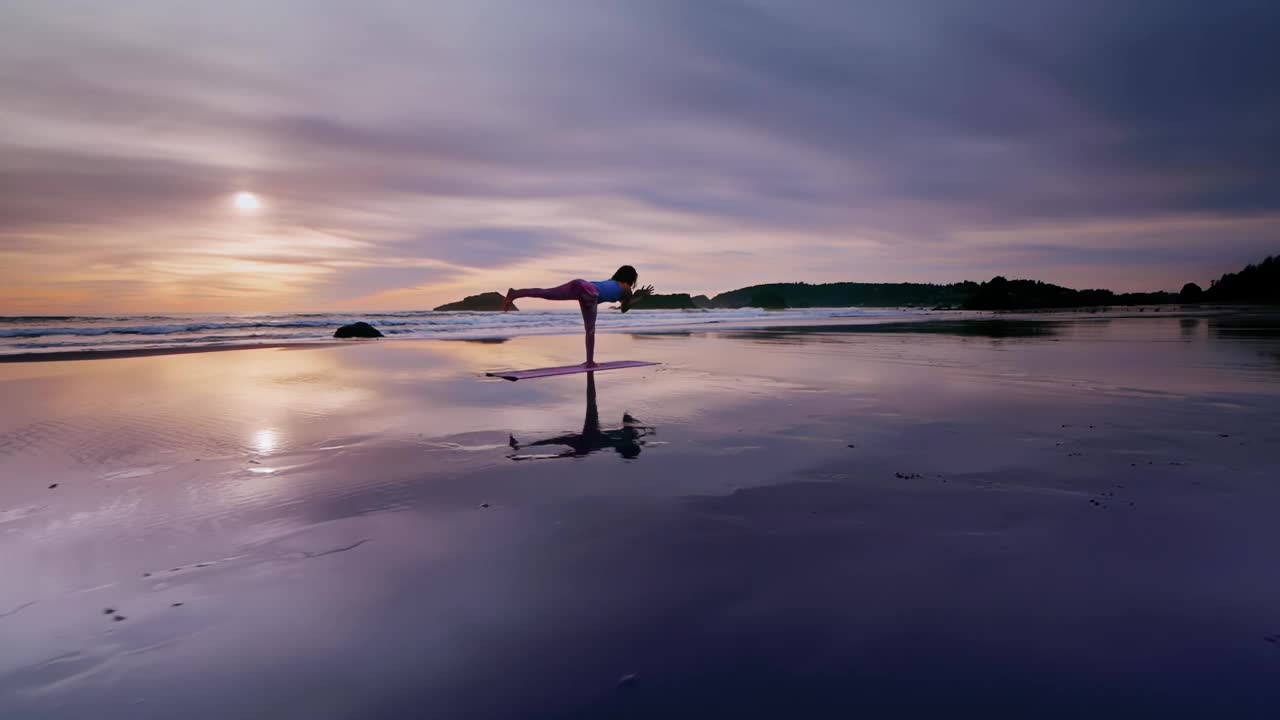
(357, 330)
(485, 302)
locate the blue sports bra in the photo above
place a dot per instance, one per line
(610, 290)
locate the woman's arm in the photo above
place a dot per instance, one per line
(630, 297)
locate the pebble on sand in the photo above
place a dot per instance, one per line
(53, 486)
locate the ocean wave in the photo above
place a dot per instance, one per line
(23, 334)
(96, 327)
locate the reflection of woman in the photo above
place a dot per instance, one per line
(626, 439)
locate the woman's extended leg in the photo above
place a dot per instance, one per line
(571, 290)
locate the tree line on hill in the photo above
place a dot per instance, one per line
(1258, 283)
(1255, 284)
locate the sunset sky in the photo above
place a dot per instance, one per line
(403, 154)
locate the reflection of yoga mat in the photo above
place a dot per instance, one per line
(514, 375)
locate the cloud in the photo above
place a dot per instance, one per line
(729, 142)
(485, 247)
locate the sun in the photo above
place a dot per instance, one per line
(247, 202)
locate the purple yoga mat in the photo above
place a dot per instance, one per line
(514, 375)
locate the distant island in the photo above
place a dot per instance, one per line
(489, 302)
(1255, 284)
(674, 301)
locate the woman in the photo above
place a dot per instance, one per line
(590, 294)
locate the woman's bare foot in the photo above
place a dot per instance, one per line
(506, 301)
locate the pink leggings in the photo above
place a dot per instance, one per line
(588, 298)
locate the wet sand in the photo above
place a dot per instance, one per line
(70, 355)
(1049, 517)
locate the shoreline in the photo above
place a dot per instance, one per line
(779, 323)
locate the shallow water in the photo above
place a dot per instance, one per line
(1015, 517)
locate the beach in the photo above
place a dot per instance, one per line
(1056, 515)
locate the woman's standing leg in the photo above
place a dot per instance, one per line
(588, 301)
(589, 305)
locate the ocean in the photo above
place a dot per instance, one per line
(88, 333)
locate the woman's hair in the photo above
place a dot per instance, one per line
(626, 274)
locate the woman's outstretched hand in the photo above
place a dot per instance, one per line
(635, 296)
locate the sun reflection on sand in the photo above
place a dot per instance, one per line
(265, 440)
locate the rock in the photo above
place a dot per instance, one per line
(674, 301)
(53, 486)
(108, 611)
(357, 330)
(485, 302)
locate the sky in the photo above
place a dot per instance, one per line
(405, 154)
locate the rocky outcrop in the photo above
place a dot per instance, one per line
(674, 301)
(486, 302)
(357, 330)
